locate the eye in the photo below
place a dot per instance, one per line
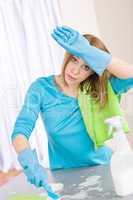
(86, 68)
(73, 59)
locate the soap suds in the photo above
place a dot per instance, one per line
(57, 187)
(78, 196)
(92, 180)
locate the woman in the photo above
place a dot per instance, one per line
(87, 62)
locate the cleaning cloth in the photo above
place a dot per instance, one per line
(94, 117)
(28, 197)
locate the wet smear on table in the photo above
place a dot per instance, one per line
(91, 183)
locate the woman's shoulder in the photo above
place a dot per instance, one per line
(42, 81)
(40, 84)
(121, 85)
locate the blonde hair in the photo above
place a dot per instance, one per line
(94, 85)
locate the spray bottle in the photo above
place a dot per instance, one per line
(121, 164)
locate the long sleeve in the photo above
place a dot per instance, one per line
(121, 85)
(26, 119)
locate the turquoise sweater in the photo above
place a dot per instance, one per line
(69, 144)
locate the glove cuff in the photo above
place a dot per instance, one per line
(27, 157)
(97, 59)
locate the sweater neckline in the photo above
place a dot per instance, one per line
(59, 90)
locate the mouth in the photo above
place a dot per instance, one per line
(70, 77)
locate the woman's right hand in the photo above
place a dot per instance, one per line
(35, 173)
(76, 44)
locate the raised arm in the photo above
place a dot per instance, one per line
(120, 68)
(97, 59)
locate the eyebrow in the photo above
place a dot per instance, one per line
(74, 56)
(77, 59)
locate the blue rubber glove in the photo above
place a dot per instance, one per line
(35, 173)
(76, 44)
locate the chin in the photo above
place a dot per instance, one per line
(68, 82)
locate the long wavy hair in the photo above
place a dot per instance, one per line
(94, 85)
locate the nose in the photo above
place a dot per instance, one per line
(76, 69)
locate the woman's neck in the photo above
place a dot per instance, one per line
(64, 88)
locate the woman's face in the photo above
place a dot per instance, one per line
(76, 71)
